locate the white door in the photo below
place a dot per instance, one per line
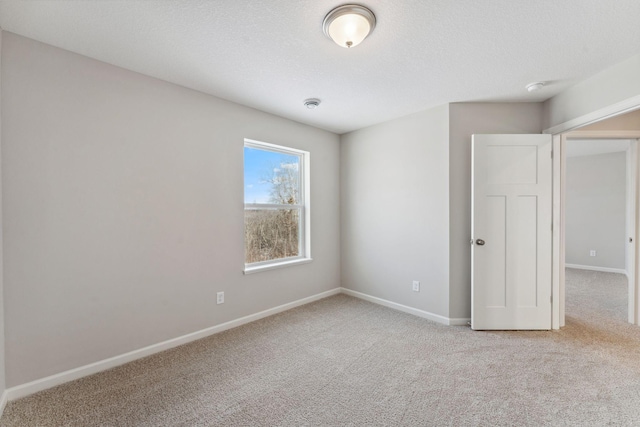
(511, 228)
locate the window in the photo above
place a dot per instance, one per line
(276, 207)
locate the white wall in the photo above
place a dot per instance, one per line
(123, 210)
(596, 209)
(614, 85)
(394, 204)
(466, 119)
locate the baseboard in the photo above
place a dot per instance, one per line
(592, 268)
(3, 402)
(23, 390)
(406, 309)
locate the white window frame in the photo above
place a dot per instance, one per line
(304, 232)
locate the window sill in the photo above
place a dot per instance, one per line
(274, 265)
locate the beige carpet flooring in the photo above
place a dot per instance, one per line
(345, 362)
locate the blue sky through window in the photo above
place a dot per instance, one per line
(259, 165)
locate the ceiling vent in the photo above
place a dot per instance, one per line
(312, 103)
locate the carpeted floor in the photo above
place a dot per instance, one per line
(345, 362)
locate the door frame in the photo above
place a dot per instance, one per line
(625, 106)
(559, 194)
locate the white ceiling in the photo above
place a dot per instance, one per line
(590, 147)
(272, 54)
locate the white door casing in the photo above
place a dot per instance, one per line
(630, 262)
(559, 183)
(560, 133)
(512, 216)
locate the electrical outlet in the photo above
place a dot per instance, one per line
(220, 299)
(592, 253)
(416, 286)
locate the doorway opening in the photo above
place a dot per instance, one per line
(599, 210)
(617, 129)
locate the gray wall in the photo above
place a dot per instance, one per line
(123, 210)
(123, 205)
(628, 121)
(596, 210)
(615, 84)
(465, 120)
(426, 156)
(394, 204)
(2, 351)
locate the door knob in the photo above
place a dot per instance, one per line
(480, 242)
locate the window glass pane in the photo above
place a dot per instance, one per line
(271, 177)
(271, 234)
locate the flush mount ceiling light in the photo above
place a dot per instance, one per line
(349, 24)
(532, 87)
(312, 103)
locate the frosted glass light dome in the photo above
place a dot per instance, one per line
(349, 25)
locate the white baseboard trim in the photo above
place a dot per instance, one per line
(405, 308)
(23, 390)
(592, 268)
(3, 401)
(27, 389)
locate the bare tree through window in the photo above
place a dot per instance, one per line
(272, 220)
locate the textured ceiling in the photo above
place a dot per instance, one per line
(272, 54)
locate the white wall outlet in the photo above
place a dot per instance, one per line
(592, 253)
(416, 286)
(220, 299)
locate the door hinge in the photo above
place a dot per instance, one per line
(551, 299)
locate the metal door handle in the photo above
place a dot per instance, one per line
(480, 242)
